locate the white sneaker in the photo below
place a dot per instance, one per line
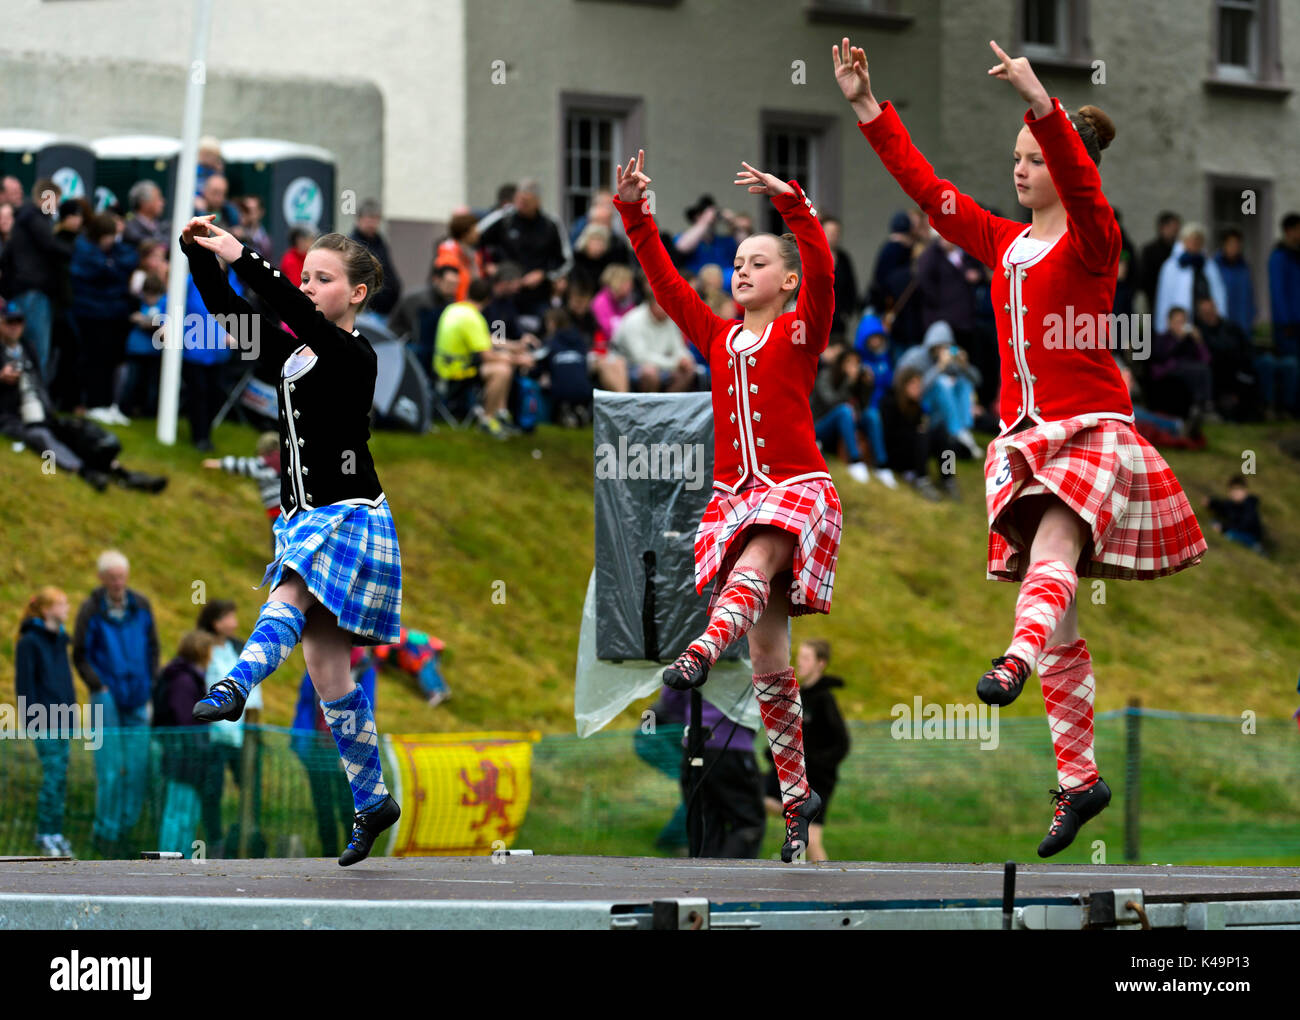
(858, 472)
(968, 440)
(100, 414)
(887, 477)
(46, 845)
(118, 418)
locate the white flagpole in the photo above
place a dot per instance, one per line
(182, 209)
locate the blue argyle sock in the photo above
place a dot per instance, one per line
(352, 722)
(278, 629)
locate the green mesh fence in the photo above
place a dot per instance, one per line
(1206, 793)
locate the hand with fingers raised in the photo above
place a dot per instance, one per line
(1022, 78)
(854, 81)
(632, 182)
(760, 183)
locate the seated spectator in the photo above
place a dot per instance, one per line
(708, 284)
(591, 253)
(187, 759)
(565, 367)
(616, 297)
(460, 250)
(300, 242)
(948, 384)
(464, 355)
(846, 282)
(838, 388)
(1237, 517)
(1179, 379)
(43, 676)
(27, 415)
(138, 393)
(1232, 364)
(416, 315)
(608, 368)
(656, 353)
(264, 469)
(913, 440)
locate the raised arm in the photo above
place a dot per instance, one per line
(693, 317)
(815, 306)
(219, 298)
(1094, 233)
(956, 216)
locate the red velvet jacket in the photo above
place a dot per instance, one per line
(1051, 307)
(762, 420)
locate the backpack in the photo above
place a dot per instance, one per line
(528, 403)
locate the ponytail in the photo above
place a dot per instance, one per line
(39, 603)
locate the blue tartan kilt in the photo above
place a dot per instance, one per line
(349, 559)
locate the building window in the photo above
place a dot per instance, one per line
(592, 145)
(1238, 51)
(1246, 48)
(1044, 31)
(789, 153)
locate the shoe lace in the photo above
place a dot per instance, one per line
(1061, 799)
(1009, 670)
(222, 693)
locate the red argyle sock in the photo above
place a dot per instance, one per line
(782, 712)
(738, 607)
(1068, 687)
(1045, 595)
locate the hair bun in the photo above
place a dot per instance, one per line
(1100, 122)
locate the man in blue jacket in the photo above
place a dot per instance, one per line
(1283, 363)
(115, 650)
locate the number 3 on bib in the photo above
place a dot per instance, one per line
(1004, 472)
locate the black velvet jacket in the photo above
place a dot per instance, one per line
(324, 407)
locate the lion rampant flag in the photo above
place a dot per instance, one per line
(461, 793)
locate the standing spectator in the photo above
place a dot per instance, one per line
(145, 222)
(367, 233)
(1126, 273)
(616, 297)
(212, 198)
(1155, 255)
(187, 759)
(837, 389)
(527, 236)
(1280, 369)
(139, 390)
(1188, 275)
(729, 811)
(203, 363)
(44, 677)
(33, 258)
(1232, 364)
(911, 440)
(872, 345)
(1238, 282)
(654, 348)
(709, 238)
(102, 305)
(416, 316)
(264, 469)
(62, 376)
(825, 738)
(300, 242)
(1237, 517)
(12, 190)
(6, 224)
(460, 250)
(846, 283)
(152, 261)
(250, 229)
(115, 650)
(945, 289)
(895, 255)
(219, 619)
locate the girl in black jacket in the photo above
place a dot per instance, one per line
(44, 677)
(336, 579)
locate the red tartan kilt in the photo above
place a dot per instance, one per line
(808, 510)
(1142, 525)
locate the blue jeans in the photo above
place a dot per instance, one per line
(837, 424)
(53, 754)
(949, 401)
(869, 423)
(1244, 537)
(121, 767)
(1280, 370)
(180, 818)
(36, 307)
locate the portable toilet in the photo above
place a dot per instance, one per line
(121, 160)
(294, 181)
(32, 155)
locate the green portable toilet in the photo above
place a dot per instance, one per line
(294, 181)
(121, 160)
(31, 155)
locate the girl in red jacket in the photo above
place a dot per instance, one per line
(771, 532)
(1072, 489)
